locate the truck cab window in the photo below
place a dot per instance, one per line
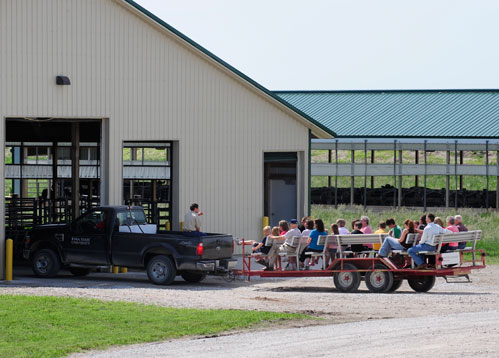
(92, 223)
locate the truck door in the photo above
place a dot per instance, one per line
(88, 242)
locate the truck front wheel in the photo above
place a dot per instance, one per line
(193, 276)
(161, 270)
(45, 263)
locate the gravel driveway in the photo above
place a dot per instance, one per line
(314, 296)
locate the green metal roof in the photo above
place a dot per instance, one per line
(402, 114)
(229, 67)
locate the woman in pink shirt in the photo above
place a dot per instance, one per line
(366, 229)
(450, 226)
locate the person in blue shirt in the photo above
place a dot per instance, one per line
(312, 240)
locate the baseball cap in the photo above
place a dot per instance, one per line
(293, 221)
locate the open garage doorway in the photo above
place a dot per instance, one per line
(280, 186)
(42, 183)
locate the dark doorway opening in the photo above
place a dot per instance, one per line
(40, 171)
(280, 188)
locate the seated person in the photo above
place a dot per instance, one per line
(312, 241)
(450, 226)
(357, 231)
(309, 226)
(286, 236)
(381, 230)
(391, 243)
(395, 230)
(341, 227)
(260, 248)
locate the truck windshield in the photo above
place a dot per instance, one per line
(131, 217)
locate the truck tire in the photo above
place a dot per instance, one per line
(161, 270)
(193, 276)
(379, 281)
(347, 281)
(421, 283)
(45, 263)
(79, 271)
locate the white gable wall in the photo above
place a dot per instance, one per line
(148, 86)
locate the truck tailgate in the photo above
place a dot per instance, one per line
(217, 247)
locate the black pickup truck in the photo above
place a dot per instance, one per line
(120, 236)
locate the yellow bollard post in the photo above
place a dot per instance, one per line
(9, 253)
(116, 269)
(168, 226)
(181, 225)
(123, 269)
(265, 221)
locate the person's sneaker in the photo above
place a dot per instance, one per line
(307, 267)
(420, 267)
(261, 262)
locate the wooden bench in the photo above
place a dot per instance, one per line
(410, 239)
(364, 239)
(325, 241)
(453, 257)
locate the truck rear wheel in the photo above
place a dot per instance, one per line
(45, 263)
(421, 283)
(193, 276)
(161, 270)
(347, 281)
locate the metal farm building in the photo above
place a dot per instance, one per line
(103, 103)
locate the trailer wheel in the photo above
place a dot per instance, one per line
(396, 285)
(79, 271)
(193, 276)
(421, 283)
(161, 270)
(379, 281)
(45, 263)
(347, 281)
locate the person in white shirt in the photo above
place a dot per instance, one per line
(309, 226)
(341, 227)
(192, 222)
(426, 243)
(286, 238)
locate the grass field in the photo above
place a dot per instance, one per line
(32, 326)
(474, 220)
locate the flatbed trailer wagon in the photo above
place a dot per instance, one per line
(381, 274)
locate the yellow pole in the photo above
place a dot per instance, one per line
(265, 221)
(123, 269)
(181, 225)
(168, 226)
(9, 253)
(116, 269)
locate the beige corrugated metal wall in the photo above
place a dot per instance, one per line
(150, 87)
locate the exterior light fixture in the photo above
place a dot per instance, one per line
(63, 80)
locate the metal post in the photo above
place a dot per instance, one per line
(394, 173)
(352, 178)
(400, 179)
(329, 155)
(461, 162)
(365, 174)
(416, 157)
(425, 171)
(372, 162)
(75, 169)
(487, 175)
(455, 173)
(447, 179)
(336, 175)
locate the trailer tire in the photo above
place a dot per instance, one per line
(347, 281)
(379, 281)
(421, 283)
(45, 263)
(396, 285)
(161, 270)
(193, 276)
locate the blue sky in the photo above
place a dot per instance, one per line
(347, 44)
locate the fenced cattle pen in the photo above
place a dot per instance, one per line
(453, 169)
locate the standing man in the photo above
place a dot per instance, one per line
(192, 222)
(426, 243)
